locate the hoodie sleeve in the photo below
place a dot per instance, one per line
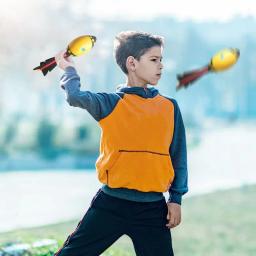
(178, 153)
(99, 105)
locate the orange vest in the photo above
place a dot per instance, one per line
(135, 141)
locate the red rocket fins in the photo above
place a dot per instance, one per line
(46, 66)
(190, 77)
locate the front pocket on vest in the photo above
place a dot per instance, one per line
(142, 170)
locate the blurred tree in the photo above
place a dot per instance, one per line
(45, 139)
(10, 133)
(82, 133)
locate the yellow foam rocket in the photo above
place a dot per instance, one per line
(79, 46)
(224, 59)
(221, 61)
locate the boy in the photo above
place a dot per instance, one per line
(142, 154)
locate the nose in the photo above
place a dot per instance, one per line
(161, 65)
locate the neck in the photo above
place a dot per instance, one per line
(133, 81)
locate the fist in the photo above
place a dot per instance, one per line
(62, 61)
(173, 215)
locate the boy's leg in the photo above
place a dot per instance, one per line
(98, 229)
(148, 232)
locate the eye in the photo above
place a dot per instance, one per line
(154, 60)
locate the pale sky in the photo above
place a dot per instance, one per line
(197, 10)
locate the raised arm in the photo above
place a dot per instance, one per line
(99, 105)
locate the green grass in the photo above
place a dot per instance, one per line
(217, 224)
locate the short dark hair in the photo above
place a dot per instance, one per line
(132, 43)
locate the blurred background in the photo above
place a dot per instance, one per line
(48, 149)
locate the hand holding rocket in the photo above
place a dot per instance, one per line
(77, 47)
(62, 61)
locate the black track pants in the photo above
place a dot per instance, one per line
(108, 218)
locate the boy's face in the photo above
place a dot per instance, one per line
(149, 68)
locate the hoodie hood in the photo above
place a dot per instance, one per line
(149, 92)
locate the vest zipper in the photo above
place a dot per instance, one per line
(145, 89)
(145, 151)
(107, 176)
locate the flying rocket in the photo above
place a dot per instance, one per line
(220, 61)
(77, 47)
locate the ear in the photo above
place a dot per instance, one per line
(130, 63)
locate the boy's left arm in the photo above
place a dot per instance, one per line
(178, 154)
